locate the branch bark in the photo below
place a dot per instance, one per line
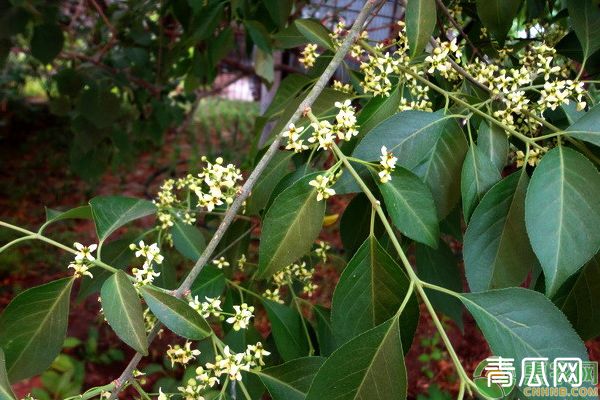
(249, 184)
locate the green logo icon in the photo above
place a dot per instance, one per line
(495, 377)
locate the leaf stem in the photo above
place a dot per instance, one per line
(418, 284)
(311, 349)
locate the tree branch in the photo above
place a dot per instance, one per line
(258, 170)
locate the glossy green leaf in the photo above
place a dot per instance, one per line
(290, 226)
(369, 292)
(210, 282)
(259, 34)
(47, 42)
(6, 392)
(493, 143)
(291, 380)
(324, 330)
(587, 127)
(83, 212)
(440, 267)
(288, 89)
(112, 212)
(585, 20)
(370, 366)
(520, 323)
(279, 10)
(410, 135)
(355, 224)
(287, 330)
(562, 214)
(176, 314)
(123, 311)
(264, 65)
(478, 175)
(441, 168)
(33, 328)
(378, 109)
(188, 240)
(497, 15)
(581, 303)
(410, 205)
(277, 168)
(496, 248)
(315, 32)
(420, 19)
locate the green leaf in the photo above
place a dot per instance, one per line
(497, 15)
(315, 32)
(370, 366)
(520, 323)
(288, 38)
(410, 135)
(101, 107)
(562, 214)
(176, 314)
(496, 248)
(439, 267)
(47, 42)
(585, 19)
(410, 205)
(288, 89)
(259, 34)
(123, 311)
(33, 328)
(291, 381)
(264, 66)
(290, 226)
(277, 168)
(581, 303)
(587, 127)
(441, 168)
(279, 10)
(355, 224)
(209, 283)
(324, 330)
(83, 212)
(493, 143)
(188, 240)
(478, 175)
(378, 109)
(287, 330)
(112, 212)
(6, 392)
(420, 18)
(369, 292)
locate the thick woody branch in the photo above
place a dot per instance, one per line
(258, 170)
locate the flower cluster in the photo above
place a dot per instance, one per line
(343, 87)
(388, 164)
(151, 254)
(324, 184)
(287, 275)
(216, 185)
(309, 55)
(83, 260)
(182, 355)
(439, 59)
(324, 133)
(228, 364)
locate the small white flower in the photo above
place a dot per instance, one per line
(182, 355)
(84, 252)
(241, 319)
(80, 269)
(220, 262)
(322, 183)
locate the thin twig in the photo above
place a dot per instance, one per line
(249, 184)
